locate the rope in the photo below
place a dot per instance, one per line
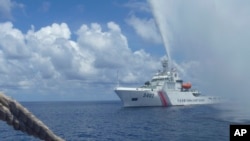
(20, 118)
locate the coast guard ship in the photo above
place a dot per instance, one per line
(164, 89)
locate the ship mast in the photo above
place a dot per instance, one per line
(164, 63)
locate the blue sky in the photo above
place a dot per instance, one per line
(72, 50)
(42, 13)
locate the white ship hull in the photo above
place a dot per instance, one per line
(136, 97)
(133, 97)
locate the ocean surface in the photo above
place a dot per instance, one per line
(109, 121)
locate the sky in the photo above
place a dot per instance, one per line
(73, 50)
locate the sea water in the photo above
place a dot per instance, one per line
(109, 121)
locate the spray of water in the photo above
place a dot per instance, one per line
(210, 42)
(162, 24)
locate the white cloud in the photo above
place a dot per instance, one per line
(12, 49)
(24, 84)
(111, 52)
(103, 45)
(138, 6)
(113, 27)
(43, 66)
(146, 28)
(5, 8)
(53, 32)
(49, 60)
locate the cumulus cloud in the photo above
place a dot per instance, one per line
(211, 38)
(112, 52)
(49, 60)
(12, 49)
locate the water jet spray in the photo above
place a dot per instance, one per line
(162, 25)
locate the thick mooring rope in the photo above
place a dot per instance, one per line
(21, 119)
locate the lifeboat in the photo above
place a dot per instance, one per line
(186, 85)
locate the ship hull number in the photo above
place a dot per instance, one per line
(148, 95)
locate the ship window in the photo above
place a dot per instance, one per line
(134, 99)
(179, 81)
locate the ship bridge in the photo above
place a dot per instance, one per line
(166, 77)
